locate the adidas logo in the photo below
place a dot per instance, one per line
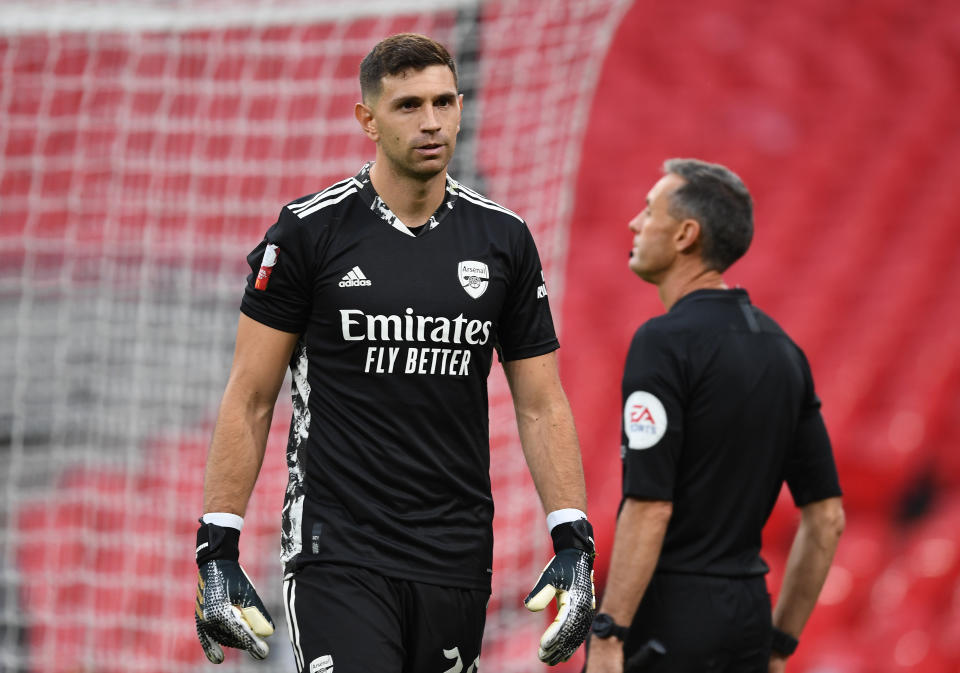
(355, 278)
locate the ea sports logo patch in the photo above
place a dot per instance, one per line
(644, 420)
(473, 277)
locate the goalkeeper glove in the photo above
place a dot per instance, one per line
(569, 578)
(228, 610)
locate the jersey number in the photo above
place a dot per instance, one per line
(458, 666)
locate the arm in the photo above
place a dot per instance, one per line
(547, 433)
(240, 436)
(550, 447)
(228, 610)
(821, 524)
(641, 527)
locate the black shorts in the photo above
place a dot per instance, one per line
(353, 620)
(707, 624)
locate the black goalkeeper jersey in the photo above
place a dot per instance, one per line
(388, 454)
(719, 409)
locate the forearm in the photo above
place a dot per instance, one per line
(240, 435)
(550, 446)
(641, 527)
(236, 453)
(228, 610)
(808, 563)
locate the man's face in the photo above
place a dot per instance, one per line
(654, 229)
(417, 117)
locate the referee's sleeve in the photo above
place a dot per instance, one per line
(810, 470)
(278, 292)
(652, 417)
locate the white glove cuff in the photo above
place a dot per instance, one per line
(559, 516)
(224, 520)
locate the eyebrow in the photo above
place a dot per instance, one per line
(447, 95)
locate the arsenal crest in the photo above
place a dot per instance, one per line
(473, 277)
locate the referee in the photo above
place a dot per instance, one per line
(719, 410)
(387, 294)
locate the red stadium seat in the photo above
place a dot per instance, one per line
(910, 609)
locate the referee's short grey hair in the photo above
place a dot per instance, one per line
(718, 199)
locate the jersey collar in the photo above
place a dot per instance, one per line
(730, 294)
(376, 204)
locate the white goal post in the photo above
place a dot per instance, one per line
(145, 146)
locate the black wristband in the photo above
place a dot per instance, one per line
(783, 643)
(603, 626)
(573, 535)
(216, 543)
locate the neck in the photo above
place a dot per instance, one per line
(413, 199)
(678, 285)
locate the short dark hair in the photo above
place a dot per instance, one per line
(397, 53)
(717, 198)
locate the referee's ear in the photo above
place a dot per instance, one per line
(687, 238)
(364, 115)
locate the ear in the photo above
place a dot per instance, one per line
(364, 115)
(460, 102)
(687, 237)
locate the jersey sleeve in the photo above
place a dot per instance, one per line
(526, 325)
(278, 289)
(653, 417)
(810, 471)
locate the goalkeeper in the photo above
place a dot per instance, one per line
(387, 294)
(719, 409)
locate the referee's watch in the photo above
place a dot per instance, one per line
(604, 627)
(783, 643)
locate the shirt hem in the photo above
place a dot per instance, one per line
(458, 581)
(531, 351)
(269, 321)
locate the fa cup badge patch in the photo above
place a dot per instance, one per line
(266, 267)
(473, 277)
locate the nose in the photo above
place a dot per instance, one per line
(430, 121)
(636, 223)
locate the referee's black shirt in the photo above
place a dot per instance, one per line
(719, 410)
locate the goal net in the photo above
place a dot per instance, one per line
(145, 146)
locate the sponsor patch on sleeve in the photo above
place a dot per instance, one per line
(266, 267)
(644, 420)
(322, 664)
(542, 288)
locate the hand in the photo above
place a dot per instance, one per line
(228, 610)
(778, 663)
(604, 655)
(568, 578)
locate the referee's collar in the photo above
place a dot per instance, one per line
(737, 294)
